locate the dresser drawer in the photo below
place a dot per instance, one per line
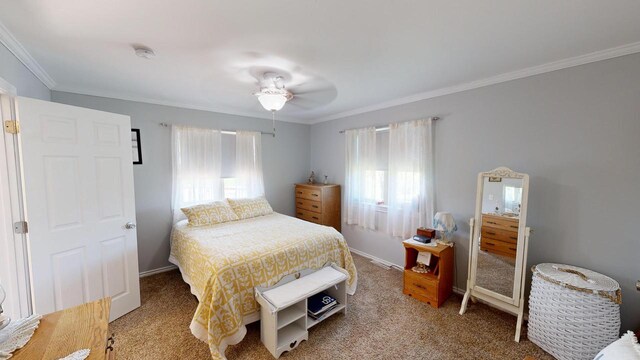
(500, 222)
(308, 215)
(498, 247)
(500, 234)
(310, 194)
(315, 206)
(419, 285)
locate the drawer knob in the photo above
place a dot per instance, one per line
(419, 286)
(293, 344)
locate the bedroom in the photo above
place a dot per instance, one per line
(548, 89)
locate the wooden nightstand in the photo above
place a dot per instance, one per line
(436, 286)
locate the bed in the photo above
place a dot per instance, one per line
(223, 263)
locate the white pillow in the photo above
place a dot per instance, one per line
(625, 348)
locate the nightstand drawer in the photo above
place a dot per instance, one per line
(310, 194)
(420, 285)
(315, 206)
(308, 215)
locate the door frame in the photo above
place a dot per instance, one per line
(16, 276)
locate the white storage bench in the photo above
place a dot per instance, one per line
(283, 307)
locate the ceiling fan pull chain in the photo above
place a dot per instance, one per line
(273, 119)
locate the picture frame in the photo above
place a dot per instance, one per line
(136, 147)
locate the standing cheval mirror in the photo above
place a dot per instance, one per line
(499, 239)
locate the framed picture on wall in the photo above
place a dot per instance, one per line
(136, 146)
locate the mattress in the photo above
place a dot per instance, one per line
(223, 263)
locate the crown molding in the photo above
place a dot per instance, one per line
(606, 54)
(177, 104)
(16, 48)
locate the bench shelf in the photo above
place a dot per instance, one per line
(284, 322)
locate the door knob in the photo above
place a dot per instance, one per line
(129, 225)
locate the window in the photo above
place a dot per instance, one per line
(231, 188)
(375, 186)
(512, 199)
(196, 164)
(393, 171)
(407, 187)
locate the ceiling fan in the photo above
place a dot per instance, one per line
(305, 92)
(272, 94)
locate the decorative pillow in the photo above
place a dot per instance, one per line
(209, 214)
(626, 348)
(248, 208)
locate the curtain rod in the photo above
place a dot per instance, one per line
(386, 127)
(228, 132)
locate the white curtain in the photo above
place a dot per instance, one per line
(410, 190)
(196, 164)
(249, 178)
(360, 179)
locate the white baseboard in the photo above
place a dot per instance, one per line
(377, 259)
(157, 271)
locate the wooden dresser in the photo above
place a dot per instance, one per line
(319, 204)
(436, 286)
(64, 332)
(499, 234)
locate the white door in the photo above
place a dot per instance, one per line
(77, 176)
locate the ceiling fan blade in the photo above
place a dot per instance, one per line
(313, 100)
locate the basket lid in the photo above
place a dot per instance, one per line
(577, 277)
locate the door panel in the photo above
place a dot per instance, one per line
(114, 267)
(78, 190)
(109, 188)
(69, 275)
(62, 180)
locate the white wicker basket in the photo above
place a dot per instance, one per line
(573, 312)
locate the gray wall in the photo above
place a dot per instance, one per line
(576, 132)
(13, 71)
(285, 162)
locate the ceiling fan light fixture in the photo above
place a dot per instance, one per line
(273, 99)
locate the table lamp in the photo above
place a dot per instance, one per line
(443, 222)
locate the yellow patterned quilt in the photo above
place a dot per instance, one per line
(223, 263)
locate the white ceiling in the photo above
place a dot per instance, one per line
(362, 54)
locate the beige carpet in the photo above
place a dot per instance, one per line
(496, 273)
(381, 323)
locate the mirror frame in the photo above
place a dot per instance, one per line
(514, 304)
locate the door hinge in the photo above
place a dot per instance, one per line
(12, 126)
(21, 227)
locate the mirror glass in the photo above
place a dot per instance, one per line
(499, 224)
